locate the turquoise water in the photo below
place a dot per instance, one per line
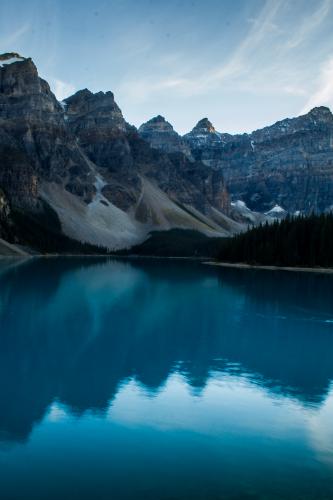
(164, 380)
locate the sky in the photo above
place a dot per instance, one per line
(244, 64)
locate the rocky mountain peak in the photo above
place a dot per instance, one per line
(100, 177)
(85, 99)
(19, 75)
(80, 94)
(32, 96)
(319, 117)
(203, 135)
(204, 126)
(10, 58)
(19, 79)
(321, 113)
(156, 124)
(94, 109)
(157, 119)
(160, 135)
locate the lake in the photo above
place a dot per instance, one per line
(159, 379)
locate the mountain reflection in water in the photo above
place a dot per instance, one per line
(84, 336)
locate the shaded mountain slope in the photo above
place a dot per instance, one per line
(288, 164)
(106, 184)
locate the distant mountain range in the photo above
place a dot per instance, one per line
(287, 165)
(78, 168)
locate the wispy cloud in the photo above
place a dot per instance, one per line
(323, 94)
(309, 25)
(61, 89)
(272, 59)
(293, 90)
(194, 81)
(8, 42)
(241, 60)
(263, 61)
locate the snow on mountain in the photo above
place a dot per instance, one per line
(10, 58)
(240, 211)
(276, 212)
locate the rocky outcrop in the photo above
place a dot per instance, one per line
(204, 135)
(111, 185)
(124, 158)
(160, 135)
(289, 164)
(292, 164)
(206, 143)
(35, 143)
(105, 182)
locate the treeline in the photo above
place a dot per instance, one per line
(294, 241)
(176, 243)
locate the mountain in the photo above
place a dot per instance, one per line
(78, 168)
(76, 171)
(204, 137)
(288, 164)
(160, 135)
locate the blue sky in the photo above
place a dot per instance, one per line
(242, 63)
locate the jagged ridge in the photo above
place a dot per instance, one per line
(288, 164)
(106, 184)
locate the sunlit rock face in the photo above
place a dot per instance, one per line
(203, 135)
(206, 143)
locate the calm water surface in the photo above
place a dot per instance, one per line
(164, 380)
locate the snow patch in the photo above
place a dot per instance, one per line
(99, 184)
(246, 213)
(239, 204)
(276, 209)
(11, 60)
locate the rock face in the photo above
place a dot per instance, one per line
(206, 143)
(293, 164)
(203, 136)
(127, 161)
(35, 144)
(289, 164)
(160, 135)
(111, 185)
(106, 183)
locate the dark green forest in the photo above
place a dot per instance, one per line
(177, 243)
(301, 241)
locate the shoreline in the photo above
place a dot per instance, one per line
(202, 260)
(102, 256)
(322, 270)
